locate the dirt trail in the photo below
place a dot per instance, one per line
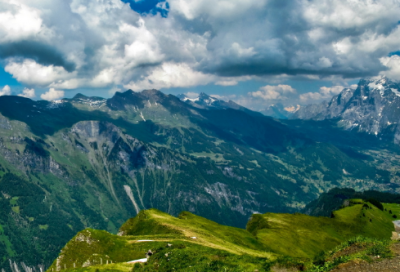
(385, 265)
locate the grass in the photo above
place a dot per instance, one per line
(192, 243)
(360, 248)
(187, 225)
(299, 235)
(15, 209)
(43, 227)
(392, 210)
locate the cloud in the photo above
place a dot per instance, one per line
(103, 44)
(224, 97)
(42, 53)
(170, 75)
(269, 92)
(19, 21)
(226, 82)
(5, 91)
(393, 65)
(52, 94)
(191, 95)
(32, 73)
(28, 93)
(324, 93)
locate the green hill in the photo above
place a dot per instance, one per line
(299, 235)
(334, 198)
(192, 243)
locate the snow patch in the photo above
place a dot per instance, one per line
(190, 99)
(141, 115)
(395, 91)
(377, 86)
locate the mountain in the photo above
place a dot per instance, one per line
(278, 111)
(373, 108)
(192, 243)
(334, 199)
(92, 162)
(205, 101)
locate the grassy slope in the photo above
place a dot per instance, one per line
(188, 225)
(299, 235)
(216, 246)
(232, 246)
(395, 208)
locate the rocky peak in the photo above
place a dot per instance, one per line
(373, 107)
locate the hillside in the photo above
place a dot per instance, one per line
(299, 235)
(193, 243)
(334, 199)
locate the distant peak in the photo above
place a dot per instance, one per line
(80, 96)
(204, 95)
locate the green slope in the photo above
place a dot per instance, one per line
(299, 235)
(193, 243)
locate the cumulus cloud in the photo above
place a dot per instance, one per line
(28, 93)
(324, 93)
(52, 94)
(393, 65)
(19, 21)
(33, 73)
(269, 92)
(69, 44)
(6, 90)
(170, 75)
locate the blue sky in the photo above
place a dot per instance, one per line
(146, 7)
(256, 52)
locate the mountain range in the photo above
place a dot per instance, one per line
(92, 162)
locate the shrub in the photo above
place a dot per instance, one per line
(376, 203)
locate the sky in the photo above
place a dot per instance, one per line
(254, 52)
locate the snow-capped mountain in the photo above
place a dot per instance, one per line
(205, 101)
(373, 107)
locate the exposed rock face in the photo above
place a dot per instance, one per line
(374, 108)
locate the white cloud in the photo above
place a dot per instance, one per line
(28, 93)
(393, 65)
(18, 21)
(225, 97)
(31, 73)
(114, 90)
(171, 75)
(269, 92)
(52, 94)
(5, 91)
(324, 93)
(217, 10)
